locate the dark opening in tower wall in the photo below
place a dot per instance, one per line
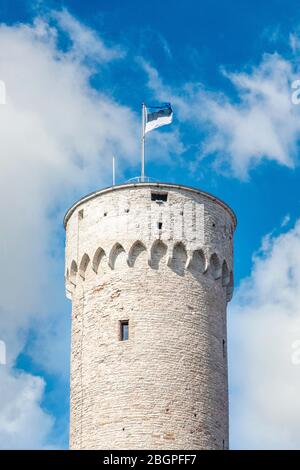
(159, 197)
(124, 330)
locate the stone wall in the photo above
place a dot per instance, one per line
(166, 267)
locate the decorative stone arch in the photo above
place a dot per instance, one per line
(73, 272)
(70, 286)
(158, 252)
(198, 262)
(229, 287)
(98, 257)
(85, 260)
(116, 251)
(135, 251)
(225, 274)
(179, 258)
(215, 266)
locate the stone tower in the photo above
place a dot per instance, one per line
(149, 271)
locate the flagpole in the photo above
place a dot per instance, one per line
(143, 143)
(113, 171)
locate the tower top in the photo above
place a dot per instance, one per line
(161, 186)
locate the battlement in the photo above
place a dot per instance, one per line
(198, 262)
(162, 188)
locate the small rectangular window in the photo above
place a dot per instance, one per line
(159, 225)
(159, 197)
(124, 330)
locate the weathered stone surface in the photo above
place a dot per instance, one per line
(166, 387)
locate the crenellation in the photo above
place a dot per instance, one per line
(199, 260)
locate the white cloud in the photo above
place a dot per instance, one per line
(285, 221)
(85, 41)
(258, 122)
(264, 334)
(23, 423)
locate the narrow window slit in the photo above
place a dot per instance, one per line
(124, 330)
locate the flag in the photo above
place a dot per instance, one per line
(157, 116)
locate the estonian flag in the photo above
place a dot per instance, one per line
(157, 116)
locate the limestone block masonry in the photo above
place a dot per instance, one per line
(160, 257)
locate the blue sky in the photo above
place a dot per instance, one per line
(227, 68)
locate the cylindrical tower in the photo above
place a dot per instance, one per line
(149, 271)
